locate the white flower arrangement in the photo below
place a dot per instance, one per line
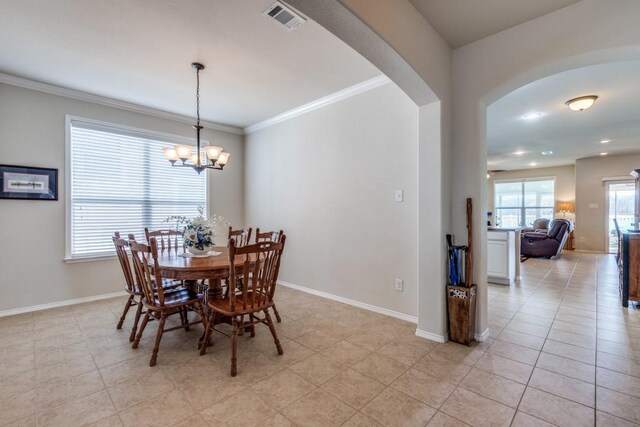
(198, 233)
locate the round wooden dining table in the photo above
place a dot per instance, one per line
(174, 265)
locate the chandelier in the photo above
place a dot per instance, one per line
(211, 157)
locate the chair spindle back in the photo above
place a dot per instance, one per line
(240, 237)
(121, 246)
(258, 265)
(268, 236)
(150, 282)
(167, 239)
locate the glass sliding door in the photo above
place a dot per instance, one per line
(621, 207)
(519, 203)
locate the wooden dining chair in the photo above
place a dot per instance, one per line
(167, 239)
(158, 302)
(258, 264)
(241, 237)
(270, 236)
(131, 286)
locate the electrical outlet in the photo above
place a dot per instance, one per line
(399, 196)
(399, 285)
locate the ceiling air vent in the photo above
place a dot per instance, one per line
(284, 15)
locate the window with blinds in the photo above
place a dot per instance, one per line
(519, 203)
(120, 181)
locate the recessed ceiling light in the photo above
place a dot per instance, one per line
(532, 116)
(605, 141)
(533, 164)
(519, 153)
(603, 154)
(581, 103)
(547, 153)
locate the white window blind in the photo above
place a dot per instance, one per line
(120, 181)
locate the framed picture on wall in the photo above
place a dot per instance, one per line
(28, 183)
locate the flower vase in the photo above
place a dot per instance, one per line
(195, 251)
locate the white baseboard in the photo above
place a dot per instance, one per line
(431, 336)
(60, 304)
(376, 309)
(483, 336)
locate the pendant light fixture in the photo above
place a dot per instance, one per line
(211, 158)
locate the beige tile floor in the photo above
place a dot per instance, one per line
(562, 352)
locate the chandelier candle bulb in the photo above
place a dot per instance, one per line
(223, 159)
(170, 154)
(194, 159)
(213, 152)
(183, 151)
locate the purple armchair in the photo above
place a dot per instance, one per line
(547, 244)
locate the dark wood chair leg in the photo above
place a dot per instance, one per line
(272, 328)
(241, 329)
(252, 328)
(145, 320)
(185, 316)
(204, 341)
(234, 347)
(203, 317)
(156, 347)
(212, 319)
(275, 311)
(135, 322)
(124, 313)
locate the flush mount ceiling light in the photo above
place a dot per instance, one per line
(547, 153)
(605, 141)
(533, 164)
(209, 157)
(603, 154)
(581, 103)
(519, 153)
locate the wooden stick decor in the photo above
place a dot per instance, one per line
(469, 266)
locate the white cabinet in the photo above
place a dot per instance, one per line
(501, 256)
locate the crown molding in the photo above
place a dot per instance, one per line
(110, 102)
(319, 103)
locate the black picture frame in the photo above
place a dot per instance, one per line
(16, 181)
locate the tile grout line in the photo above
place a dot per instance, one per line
(548, 332)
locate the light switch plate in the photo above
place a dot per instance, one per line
(399, 285)
(399, 196)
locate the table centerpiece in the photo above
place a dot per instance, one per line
(198, 233)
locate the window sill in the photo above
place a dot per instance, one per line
(70, 260)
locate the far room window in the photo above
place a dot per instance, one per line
(119, 180)
(519, 203)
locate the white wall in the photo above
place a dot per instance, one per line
(591, 197)
(32, 133)
(588, 32)
(327, 178)
(565, 184)
(404, 46)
